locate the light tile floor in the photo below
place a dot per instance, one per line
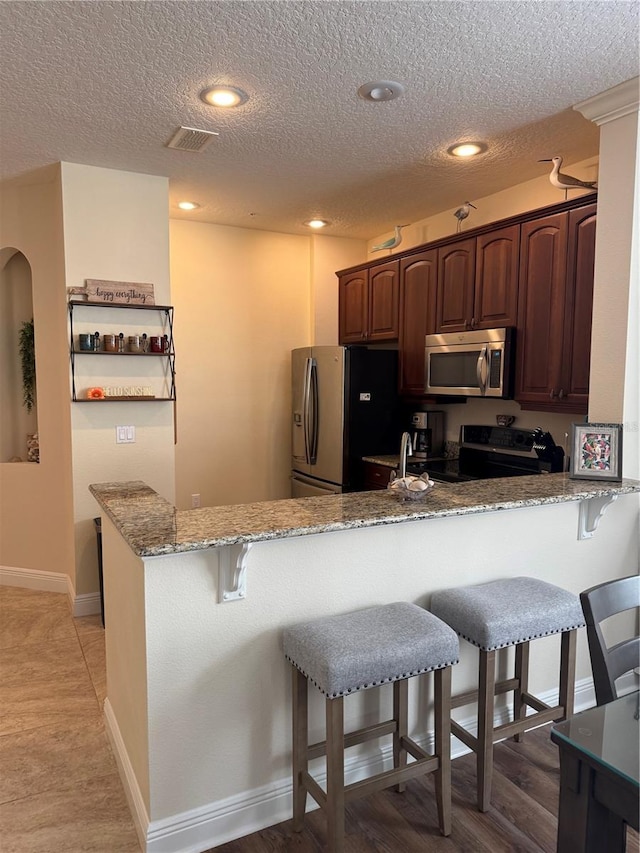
(59, 786)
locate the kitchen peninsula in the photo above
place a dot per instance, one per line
(198, 690)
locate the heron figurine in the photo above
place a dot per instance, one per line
(462, 213)
(566, 182)
(392, 242)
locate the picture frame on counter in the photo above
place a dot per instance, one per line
(596, 452)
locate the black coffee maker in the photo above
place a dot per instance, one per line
(427, 436)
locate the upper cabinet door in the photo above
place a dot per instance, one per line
(384, 290)
(496, 284)
(578, 308)
(456, 273)
(418, 287)
(543, 257)
(354, 307)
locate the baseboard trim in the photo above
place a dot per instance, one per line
(234, 817)
(34, 579)
(86, 604)
(129, 782)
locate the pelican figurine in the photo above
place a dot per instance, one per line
(392, 242)
(566, 182)
(462, 213)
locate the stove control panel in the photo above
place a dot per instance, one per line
(502, 437)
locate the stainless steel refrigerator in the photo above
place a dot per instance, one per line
(345, 406)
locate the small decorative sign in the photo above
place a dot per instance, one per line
(115, 292)
(120, 392)
(596, 452)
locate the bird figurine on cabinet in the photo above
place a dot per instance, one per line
(566, 182)
(462, 213)
(392, 242)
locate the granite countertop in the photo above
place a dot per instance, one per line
(152, 526)
(389, 461)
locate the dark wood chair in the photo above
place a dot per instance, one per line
(610, 662)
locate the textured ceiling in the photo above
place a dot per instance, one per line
(108, 83)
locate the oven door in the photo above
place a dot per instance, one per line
(467, 370)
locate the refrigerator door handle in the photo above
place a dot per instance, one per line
(306, 394)
(313, 399)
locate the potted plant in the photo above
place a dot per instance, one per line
(28, 364)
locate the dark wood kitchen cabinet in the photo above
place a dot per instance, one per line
(375, 476)
(456, 276)
(369, 304)
(478, 282)
(418, 290)
(495, 301)
(533, 271)
(554, 318)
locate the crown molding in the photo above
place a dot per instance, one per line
(613, 104)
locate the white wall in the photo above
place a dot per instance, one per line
(115, 228)
(244, 299)
(520, 198)
(36, 514)
(614, 393)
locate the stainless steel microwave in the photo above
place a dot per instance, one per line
(470, 364)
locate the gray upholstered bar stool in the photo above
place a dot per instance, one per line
(502, 613)
(357, 651)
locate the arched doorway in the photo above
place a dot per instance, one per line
(18, 401)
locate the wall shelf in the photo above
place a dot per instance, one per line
(165, 313)
(128, 399)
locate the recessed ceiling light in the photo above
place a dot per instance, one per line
(317, 223)
(187, 205)
(383, 90)
(466, 149)
(224, 96)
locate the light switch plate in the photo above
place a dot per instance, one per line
(125, 434)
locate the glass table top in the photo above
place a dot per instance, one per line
(610, 734)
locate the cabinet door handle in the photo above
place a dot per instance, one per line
(473, 322)
(560, 394)
(552, 393)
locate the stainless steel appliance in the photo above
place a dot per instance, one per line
(427, 434)
(489, 451)
(470, 364)
(345, 406)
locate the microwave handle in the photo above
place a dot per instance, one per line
(482, 370)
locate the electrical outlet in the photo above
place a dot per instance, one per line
(195, 501)
(365, 397)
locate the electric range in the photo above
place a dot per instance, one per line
(488, 452)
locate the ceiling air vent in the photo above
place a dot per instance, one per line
(191, 139)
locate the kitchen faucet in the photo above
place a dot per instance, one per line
(405, 450)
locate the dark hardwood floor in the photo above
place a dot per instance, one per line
(522, 819)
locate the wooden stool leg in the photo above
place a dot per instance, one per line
(300, 759)
(522, 674)
(486, 696)
(567, 672)
(400, 715)
(335, 775)
(442, 724)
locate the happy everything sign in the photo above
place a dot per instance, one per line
(117, 292)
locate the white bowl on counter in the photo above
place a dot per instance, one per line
(410, 488)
